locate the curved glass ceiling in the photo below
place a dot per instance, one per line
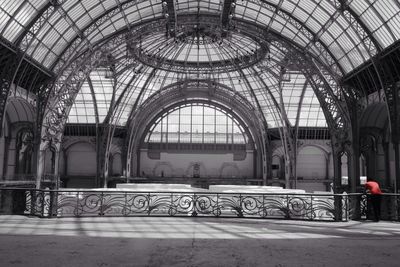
(245, 53)
(349, 31)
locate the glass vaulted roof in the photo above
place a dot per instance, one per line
(339, 35)
(351, 31)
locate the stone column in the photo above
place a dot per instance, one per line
(337, 184)
(57, 168)
(397, 167)
(387, 163)
(4, 159)
(337, 172)
(41, 156)
(354, 170)
(2, 155)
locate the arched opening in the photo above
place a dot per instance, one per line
(4, 145)
(197, 140)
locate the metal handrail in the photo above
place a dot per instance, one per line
(168, 192)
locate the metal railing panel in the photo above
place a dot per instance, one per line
(75, 203)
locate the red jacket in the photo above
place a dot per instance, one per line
(373, 188)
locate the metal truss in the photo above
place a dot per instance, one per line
(7, 70)
(369, 41)
(322, 48)
(28, 36)
(62, 96)
(326, 87)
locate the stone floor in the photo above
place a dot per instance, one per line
(167, 241)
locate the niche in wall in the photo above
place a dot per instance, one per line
(81, 160)
(311, 163)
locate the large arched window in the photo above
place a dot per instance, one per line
(197, 123)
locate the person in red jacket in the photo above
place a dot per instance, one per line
(372, 187)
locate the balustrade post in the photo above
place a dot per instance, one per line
(240, 206)
(51, 204)
(312, 211)
(40, 167)
(33, 202)
(149, 208)
(338, 206)
(264, 213)
(218, 209)
(43, 203)
(194, 212)
(101, 204)
(171, 204)
(347, 208)
(288, 207)
(398, 206)
(125, 204)
(77, 203)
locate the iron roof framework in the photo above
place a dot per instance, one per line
(351, 31)
(251, 81)
(340, 34)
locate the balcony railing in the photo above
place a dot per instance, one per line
(72, 203)
(58, 203)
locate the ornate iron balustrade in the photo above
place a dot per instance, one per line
(58, 203)
(361, 208)
(321, 207)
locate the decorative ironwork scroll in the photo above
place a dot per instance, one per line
(319, 207)
(283, 206)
